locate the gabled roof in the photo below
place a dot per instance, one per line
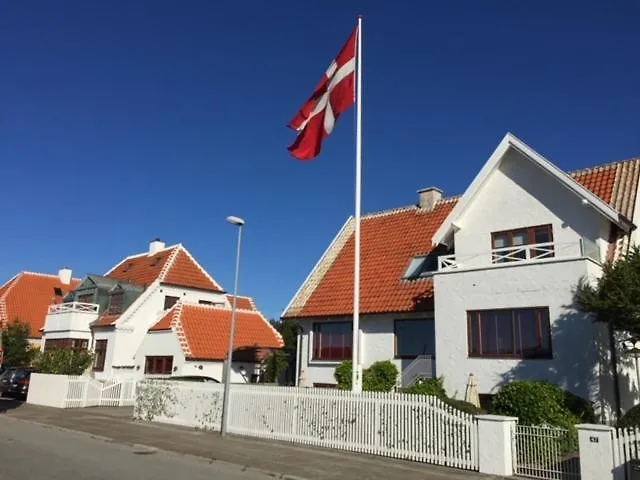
(203, 330)
(173, 266)
(389, 240)
(510, 142)
(243, 303)
(27, 296)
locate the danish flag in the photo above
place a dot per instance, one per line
(334, 95)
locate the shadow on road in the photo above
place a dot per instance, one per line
(7, 403)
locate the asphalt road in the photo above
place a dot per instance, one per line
(29, 451)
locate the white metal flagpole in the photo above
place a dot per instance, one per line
(356, 379)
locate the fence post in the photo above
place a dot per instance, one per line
(596, 453)
(495, 444)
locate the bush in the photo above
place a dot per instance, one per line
(275, 365)
(431, 386)
(63, 362)
(463, 406)
(534, 403)
(380, 377)
(342, 375)
(631, 418)
(581, 408)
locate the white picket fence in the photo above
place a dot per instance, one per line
(626, 447)
(413, 427)
(64, 391)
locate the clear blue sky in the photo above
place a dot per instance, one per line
(123, 121)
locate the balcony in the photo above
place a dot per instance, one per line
(522, 254)
(71, 316)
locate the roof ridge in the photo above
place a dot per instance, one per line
(176, 326)
(219, 307)
(40, 274)
(169, 263)
(138, 255)
(407, 208)
(603, 166)
(3, 302)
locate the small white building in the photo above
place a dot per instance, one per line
(115, 314)
(482, 283)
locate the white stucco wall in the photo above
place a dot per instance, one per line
(576, 357)
(377, 343)
(520, 194)
(144, 313)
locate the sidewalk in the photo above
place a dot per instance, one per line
(282, 460)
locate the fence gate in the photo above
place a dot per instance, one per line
(547, 453)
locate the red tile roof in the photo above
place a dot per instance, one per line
(27, 296)
(390, 239)
(106, 321)
(203, 330)
(173, 265)
(243, 303)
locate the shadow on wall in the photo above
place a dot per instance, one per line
(581, 364)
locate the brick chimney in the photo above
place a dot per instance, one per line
(155, 246)
(64, 274)
(428, 197)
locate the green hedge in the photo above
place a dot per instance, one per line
(631, 418)
(379, 377)
(431, 386)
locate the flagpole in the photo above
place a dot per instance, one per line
(356, 379)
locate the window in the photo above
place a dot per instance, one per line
(208, 302)
(85, 298)
(77, 344)
(100, 355)
(519, 333)
(116, 303)
(332, 341)
(158, 365)
(511, 244)
(57, 291)
(170, 301)
(423, 265)
(414, 337)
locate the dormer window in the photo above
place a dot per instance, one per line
(116, 303)
(425, 265)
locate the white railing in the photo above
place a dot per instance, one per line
(626, 447)
(66, 391)
(413, 427)
(525, 253)
(73, 307)
(547, 453)
(423, 366)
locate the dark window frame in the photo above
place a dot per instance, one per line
(316, 350)
(75, 344)
(530, 236)
(158, 365)
(170, 301)
(100, 352)
(542, 328)
(119, 306)
(395, 337)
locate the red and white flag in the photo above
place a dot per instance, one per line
(334, 95)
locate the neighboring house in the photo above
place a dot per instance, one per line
(192, 339)
(482, 283)
(112, 314)
(27, 296)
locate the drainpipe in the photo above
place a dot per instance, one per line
(298, 349)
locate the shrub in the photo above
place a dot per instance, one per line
(431, 386)
(342, 375)
(534, 403)
(631, 418)
(466, 407)
(63, 362)
(581, 408)
(380, 377)
(275, 365)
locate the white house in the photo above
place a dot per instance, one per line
(482, 283)
(115, 314)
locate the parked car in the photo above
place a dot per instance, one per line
(14, 381)
(194, 378)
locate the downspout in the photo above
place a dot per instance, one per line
(298, 348)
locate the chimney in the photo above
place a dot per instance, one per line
(428, 197)
(155, 246)
(64, 274)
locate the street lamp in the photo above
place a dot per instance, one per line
(238, 222)
(632, 346)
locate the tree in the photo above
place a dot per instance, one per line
(15, 343)
(63, 361)
(288, 328)
(275, 365)
(615, 300)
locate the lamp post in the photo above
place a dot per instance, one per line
(238, 222)
(632, 346)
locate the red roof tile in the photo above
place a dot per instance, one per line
(27, 297)
(204, 330)
(173, 265)
(106, 321)
(388, 242)
(243, 303)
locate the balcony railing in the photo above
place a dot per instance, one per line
(524, 253)
(73, 307)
